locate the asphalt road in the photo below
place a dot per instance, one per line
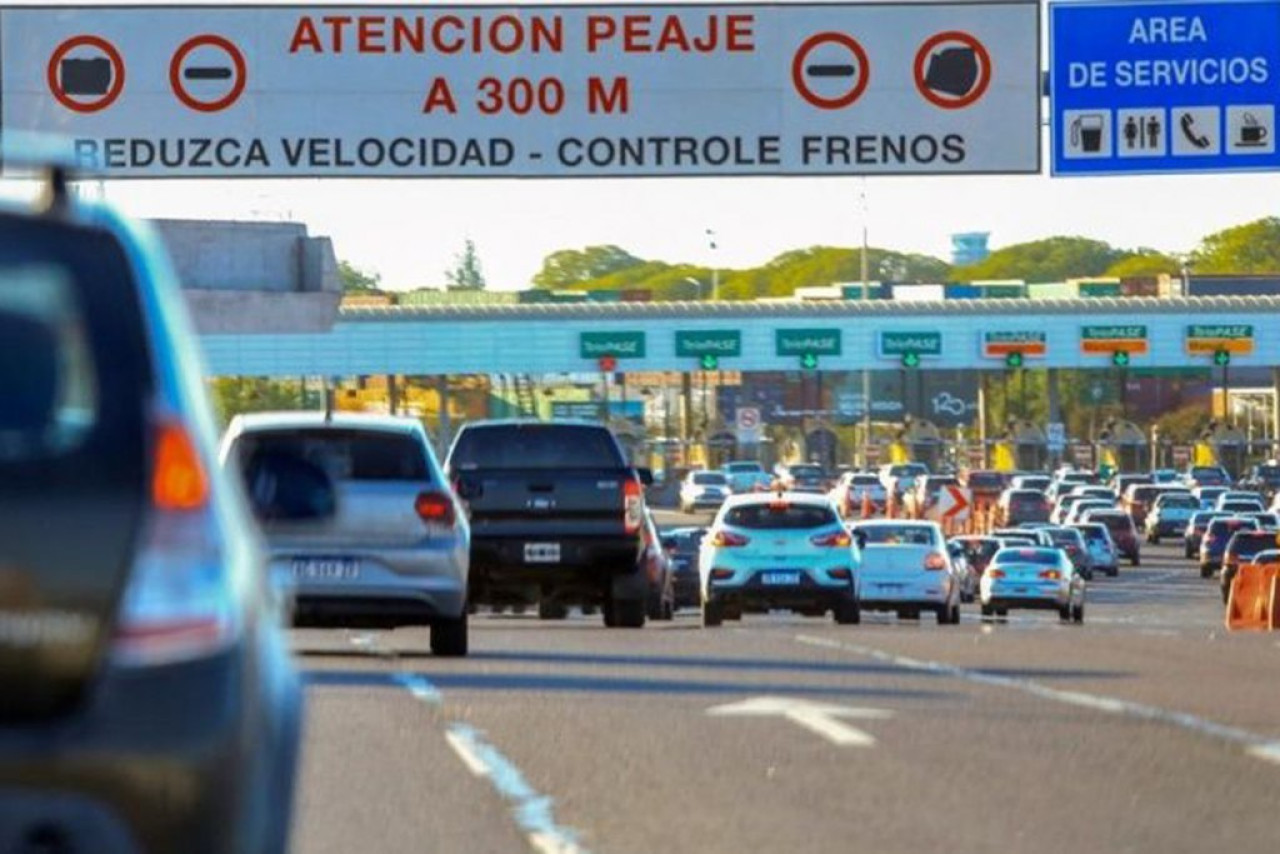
(1147, 729)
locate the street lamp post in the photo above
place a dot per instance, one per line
(715, 271)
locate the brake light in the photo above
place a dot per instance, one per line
(721, 574)
(180, 600)
(994, 573)
(435, 508)
(935, 561)
(632, 505)
(178, 479)
(834, 540)
(840, 574)
(1051, 575)
(728, 540)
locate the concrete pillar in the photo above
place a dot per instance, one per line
(686, 414)
(1275, 409)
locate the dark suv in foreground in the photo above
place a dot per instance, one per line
(557, 517)
(147, 698)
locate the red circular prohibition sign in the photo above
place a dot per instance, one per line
(979, 88)
(117, 81)
(175, 73)
(797, 70)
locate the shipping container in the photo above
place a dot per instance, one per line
(1233, 286)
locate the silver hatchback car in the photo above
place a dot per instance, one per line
(395, 551)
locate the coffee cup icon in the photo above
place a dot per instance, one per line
(1086, 132)
(1251, 132)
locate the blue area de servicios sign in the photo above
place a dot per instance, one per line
(1152, 87)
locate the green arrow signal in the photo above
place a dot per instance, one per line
(911, 359)
(1221, 358)
(809, 361)
(709, 362)
(1120, 359)
(1013, 360)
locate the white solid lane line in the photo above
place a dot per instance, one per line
(1257, 746)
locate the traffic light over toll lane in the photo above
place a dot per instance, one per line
(809, 362)
(709, 362)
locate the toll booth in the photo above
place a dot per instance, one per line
(1222, 445)
(722, 446)
(822, 446)
(1023, 446)
(919, 441)
(1122, 446)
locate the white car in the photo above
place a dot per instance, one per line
(906, 568)
(1208, 496)
(1080, 508)
(1235, 500)
(702, 490)
(1035, 578)
(1170, 515)
(783, 550)
(848, 493)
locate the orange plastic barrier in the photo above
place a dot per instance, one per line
(1254, 602)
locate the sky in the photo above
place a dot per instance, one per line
(410, 231)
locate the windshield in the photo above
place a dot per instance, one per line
(743, 468)
(709, 479)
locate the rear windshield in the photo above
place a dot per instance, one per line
(865, 480)
(685, 542)
(979, 550)
(345, 454)
(1203, 518)
(1241, 504)
(709, 479)
(1042, 557)
(892, 535)
(1145, 492)
(1093, 533)
(535, 446)
(1249, 544)
(909, 470)
(806, 471)
(1178, 501)
(985, 480)
(780, 516)
(1114, 521)
(743, 468)
(1222, 529)
(1022, 499)
(1064, 537)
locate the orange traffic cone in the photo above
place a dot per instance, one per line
(866, 510)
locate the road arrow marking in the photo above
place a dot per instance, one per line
(819, 718)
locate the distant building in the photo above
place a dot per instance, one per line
(970, 247)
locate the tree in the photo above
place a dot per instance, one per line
(355, 280)
(572, 267)
(236, 395)
(1053, 259)
(466, 274)
(1144, 262)
(1250, 248)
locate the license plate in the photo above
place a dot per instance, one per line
(326, 569)
(780, 578)
(541, 552)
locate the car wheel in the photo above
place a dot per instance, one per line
(1135, 561)
(1064, 613)
(552, 610)
(668, 610)
(628, 613)
(449, 637)
(908, 615)
(1205, 572)
(988, 612)
(848, 612)
(1113, 571)
(712, 614)
(588, 610)
(1077, 614)
(1155, 539)
(1188, 553)
(653, 607)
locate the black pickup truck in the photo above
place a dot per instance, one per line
(557, 517)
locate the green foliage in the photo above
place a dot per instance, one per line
(1053, 259)
(1250, 248)
(236, 395)
(466, 274)
(1144, 262)
(357, 281)
(1185, 424)
(570, 268)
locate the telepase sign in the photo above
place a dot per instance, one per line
(530, 91)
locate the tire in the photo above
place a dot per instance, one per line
(628, 613)
(1154, 539)
(552, 610)
(988, 612)
(712, 614)
(1114, 571)
(848, 612)
(1064, 613)
(1135, 561)
(1206, 572)
(943, 615)
(668, 610)
(1188, 553)
(449, 637)
(653, 607)
(1077, 614)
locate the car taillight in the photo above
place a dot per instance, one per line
(721, 574)
(834, 540)
(728, 540)
(435, 508)
(935, 561)
(179, 602)
(1051, 575)
(632, 505)
(994, 573)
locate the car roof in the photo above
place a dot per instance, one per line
(252, 422)
(897, 523)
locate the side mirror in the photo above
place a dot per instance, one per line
(287, 488)
(645, 475)
(469, 489)
(860, 537)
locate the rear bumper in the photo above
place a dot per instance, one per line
(807, 595)
(1168, 529)
(1025, 596)
(587, 566)
(1025, 603)
(196, 757)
